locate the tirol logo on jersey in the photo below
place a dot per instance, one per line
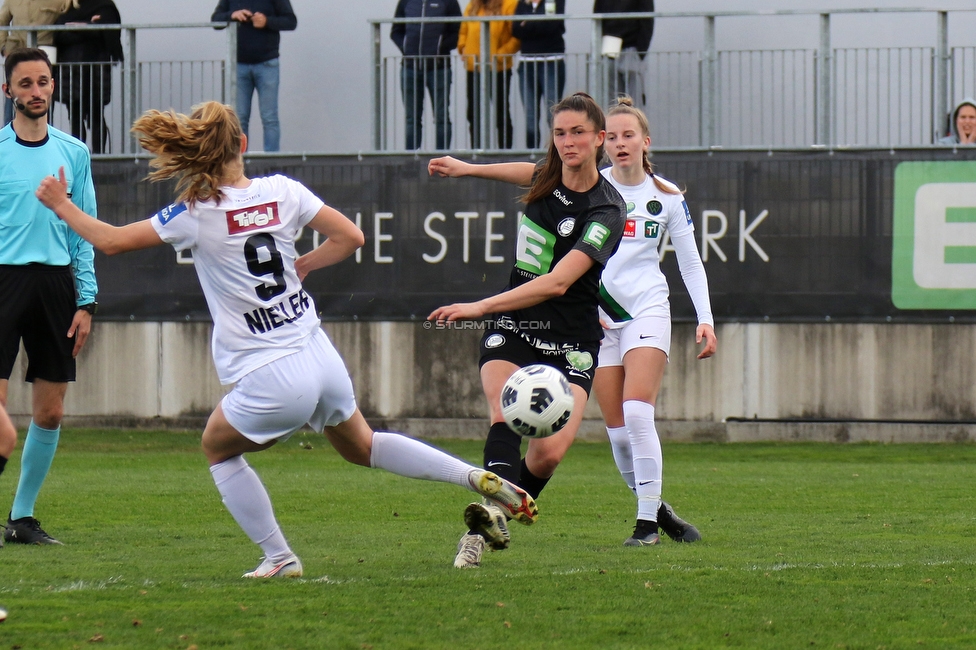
(169, 212)
(654, 207)
(630, 228)
(630, 207)
(252, 218)
(596, 235)
(684, 204)
(651, 229)
(565, 227)
(533, 247)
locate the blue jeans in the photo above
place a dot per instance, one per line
(262, 77)
(540, 80)
(416, 74)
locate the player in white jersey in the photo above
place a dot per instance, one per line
(635, 310)
(267, 336)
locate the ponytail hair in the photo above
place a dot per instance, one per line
(550, 172)
(625, 106)
(199, 149)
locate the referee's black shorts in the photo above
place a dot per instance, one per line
(38, 307)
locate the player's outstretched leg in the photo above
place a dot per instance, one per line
(415, 459)
(489, 521)
(674, 526)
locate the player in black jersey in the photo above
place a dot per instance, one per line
(572, 224)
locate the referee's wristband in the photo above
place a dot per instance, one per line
(91, 308)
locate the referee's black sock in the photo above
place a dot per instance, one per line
(3, 463)
(503, 451)
(530, 482)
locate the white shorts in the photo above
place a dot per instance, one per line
(308, 387)
(642, 332)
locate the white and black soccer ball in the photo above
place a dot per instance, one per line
(536, 401)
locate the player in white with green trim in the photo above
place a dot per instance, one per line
(635, 309)
(267, 336)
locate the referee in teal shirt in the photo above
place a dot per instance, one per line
(47, 277)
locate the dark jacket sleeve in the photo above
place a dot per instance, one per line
(449, 38)
(645, 28)
(397, 32)
(222, 13)
(284, 19)
(538, 29)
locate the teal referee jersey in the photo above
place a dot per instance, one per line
(29, 232)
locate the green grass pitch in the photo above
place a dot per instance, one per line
(805, 546)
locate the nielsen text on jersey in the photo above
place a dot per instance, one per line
(265, 319)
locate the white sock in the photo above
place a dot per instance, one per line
(415, 459)
(622, 455)
(648, 458)
(248, 502)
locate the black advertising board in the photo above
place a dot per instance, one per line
(785, 236)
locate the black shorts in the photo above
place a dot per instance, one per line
(577, 361)
(38, 307)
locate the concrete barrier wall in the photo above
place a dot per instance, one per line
(425, 381)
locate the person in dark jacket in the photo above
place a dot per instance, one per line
(542, 64)
(426, 49)
(626, 63)
(83, 75)
(258, 39)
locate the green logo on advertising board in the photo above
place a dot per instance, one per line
(933, 259)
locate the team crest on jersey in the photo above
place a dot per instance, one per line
(168, 213)
(253, 218)
(630, 228)
(684, 204)
(565, 227)
(494, 341)
(654, 207)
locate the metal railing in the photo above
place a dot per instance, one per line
(87, 109)
(770, 98)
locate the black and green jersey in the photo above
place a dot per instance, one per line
(591, 222)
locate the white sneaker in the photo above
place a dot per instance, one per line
(508, 496)
(490, 522)
(470, 548)
(290, 567)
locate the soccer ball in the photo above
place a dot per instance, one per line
(536, 401)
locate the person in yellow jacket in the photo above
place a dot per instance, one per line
(503, 49)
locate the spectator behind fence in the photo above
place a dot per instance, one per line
(426, 50)
(258, 39)
(542, 64)
(83, 75)
(22, 13)
(962, 124)
(625, 43)
(503, 47)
